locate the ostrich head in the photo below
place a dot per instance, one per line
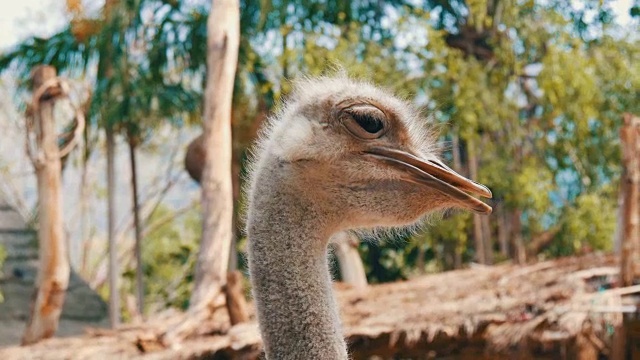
(340, 155)
(364, 155)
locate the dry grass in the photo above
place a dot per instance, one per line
(536, 311)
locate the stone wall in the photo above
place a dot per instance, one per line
(82, 308)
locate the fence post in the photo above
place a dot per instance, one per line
(628, 232)
(630, 187)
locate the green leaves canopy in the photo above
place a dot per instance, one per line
(535, 88)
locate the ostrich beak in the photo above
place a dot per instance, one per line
(436, 175)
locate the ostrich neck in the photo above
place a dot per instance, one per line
(297, 311)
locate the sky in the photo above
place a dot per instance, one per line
(21, 19)
(24, 18)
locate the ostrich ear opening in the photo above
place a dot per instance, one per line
(434, 174)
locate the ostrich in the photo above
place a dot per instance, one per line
(341, 154)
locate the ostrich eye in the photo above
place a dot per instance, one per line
(365, 121)
(369, 123)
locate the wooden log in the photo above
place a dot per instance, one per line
(53, 271)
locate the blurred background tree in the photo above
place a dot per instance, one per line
(3, 256)
(133, 55)
(528, 97)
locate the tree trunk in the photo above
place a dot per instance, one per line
(457, 257)
(223, 40)
(617, 235)
(105, 71)
(53, 271)
(487, 239)
(503, 232)
(541, 241)
(237, 217)
(449, 250)
(455, 152)
(457, 166)
(194, 164)
(478, 234)
(630, 141)
(487, 236)
(114, 295)
(349, 260)
(223, 29)
(84, 211)
(420, 264)
(519, 251)
(137, 228)
(236, 303)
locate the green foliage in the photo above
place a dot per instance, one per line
(439, 247)
(538, 98)
(534, 89)
(169, 256)
(589, 225)
(143, 71)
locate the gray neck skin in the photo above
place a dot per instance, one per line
(288, 239)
